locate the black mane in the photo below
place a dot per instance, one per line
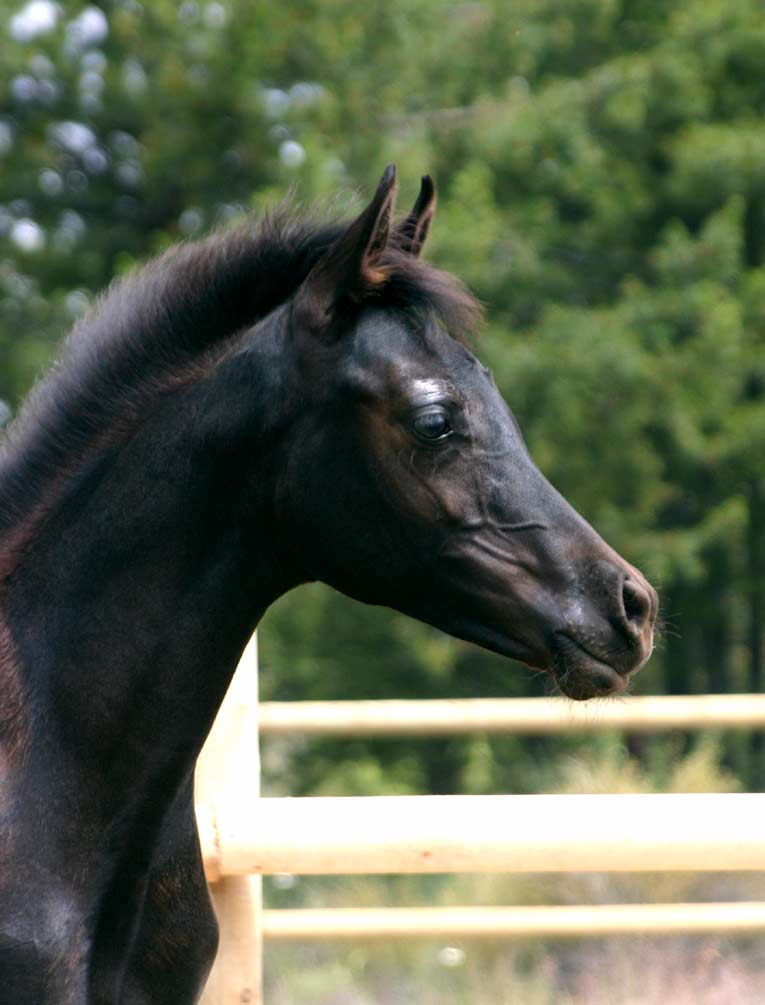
(169, 317)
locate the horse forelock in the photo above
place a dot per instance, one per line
(411, 284)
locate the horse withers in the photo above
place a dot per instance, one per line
(286, 402)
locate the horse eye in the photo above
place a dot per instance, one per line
(432, 424)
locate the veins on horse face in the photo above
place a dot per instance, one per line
(515, 528)
(495, 455)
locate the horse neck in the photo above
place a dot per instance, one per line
(130, 610)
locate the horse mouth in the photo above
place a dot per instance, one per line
(581, 674)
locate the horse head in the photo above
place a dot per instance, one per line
(408, 482)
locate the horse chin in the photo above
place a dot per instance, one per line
(580, 675)
(581, 684)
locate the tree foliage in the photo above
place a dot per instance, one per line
(601, 188)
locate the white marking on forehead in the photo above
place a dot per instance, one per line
(425, 387)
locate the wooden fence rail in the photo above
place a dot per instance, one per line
(544, 833)
(537, 716)
(307, 924)
(244, 836)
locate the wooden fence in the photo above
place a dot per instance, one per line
(522, 716)
(244, 836)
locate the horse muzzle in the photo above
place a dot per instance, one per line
(597, 657)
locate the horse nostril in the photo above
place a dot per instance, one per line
(637, 604)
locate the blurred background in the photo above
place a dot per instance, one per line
(600, 168)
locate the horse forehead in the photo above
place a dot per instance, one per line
(389, 344)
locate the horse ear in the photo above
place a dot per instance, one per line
(351, 263)
(412, 232)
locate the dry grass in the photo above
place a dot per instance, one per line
(705, 971)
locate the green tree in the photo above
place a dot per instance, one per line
(600, 186)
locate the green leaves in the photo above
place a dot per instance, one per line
(600, 176)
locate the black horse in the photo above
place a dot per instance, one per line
(284, 403)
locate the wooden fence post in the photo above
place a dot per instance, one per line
(228, 772)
